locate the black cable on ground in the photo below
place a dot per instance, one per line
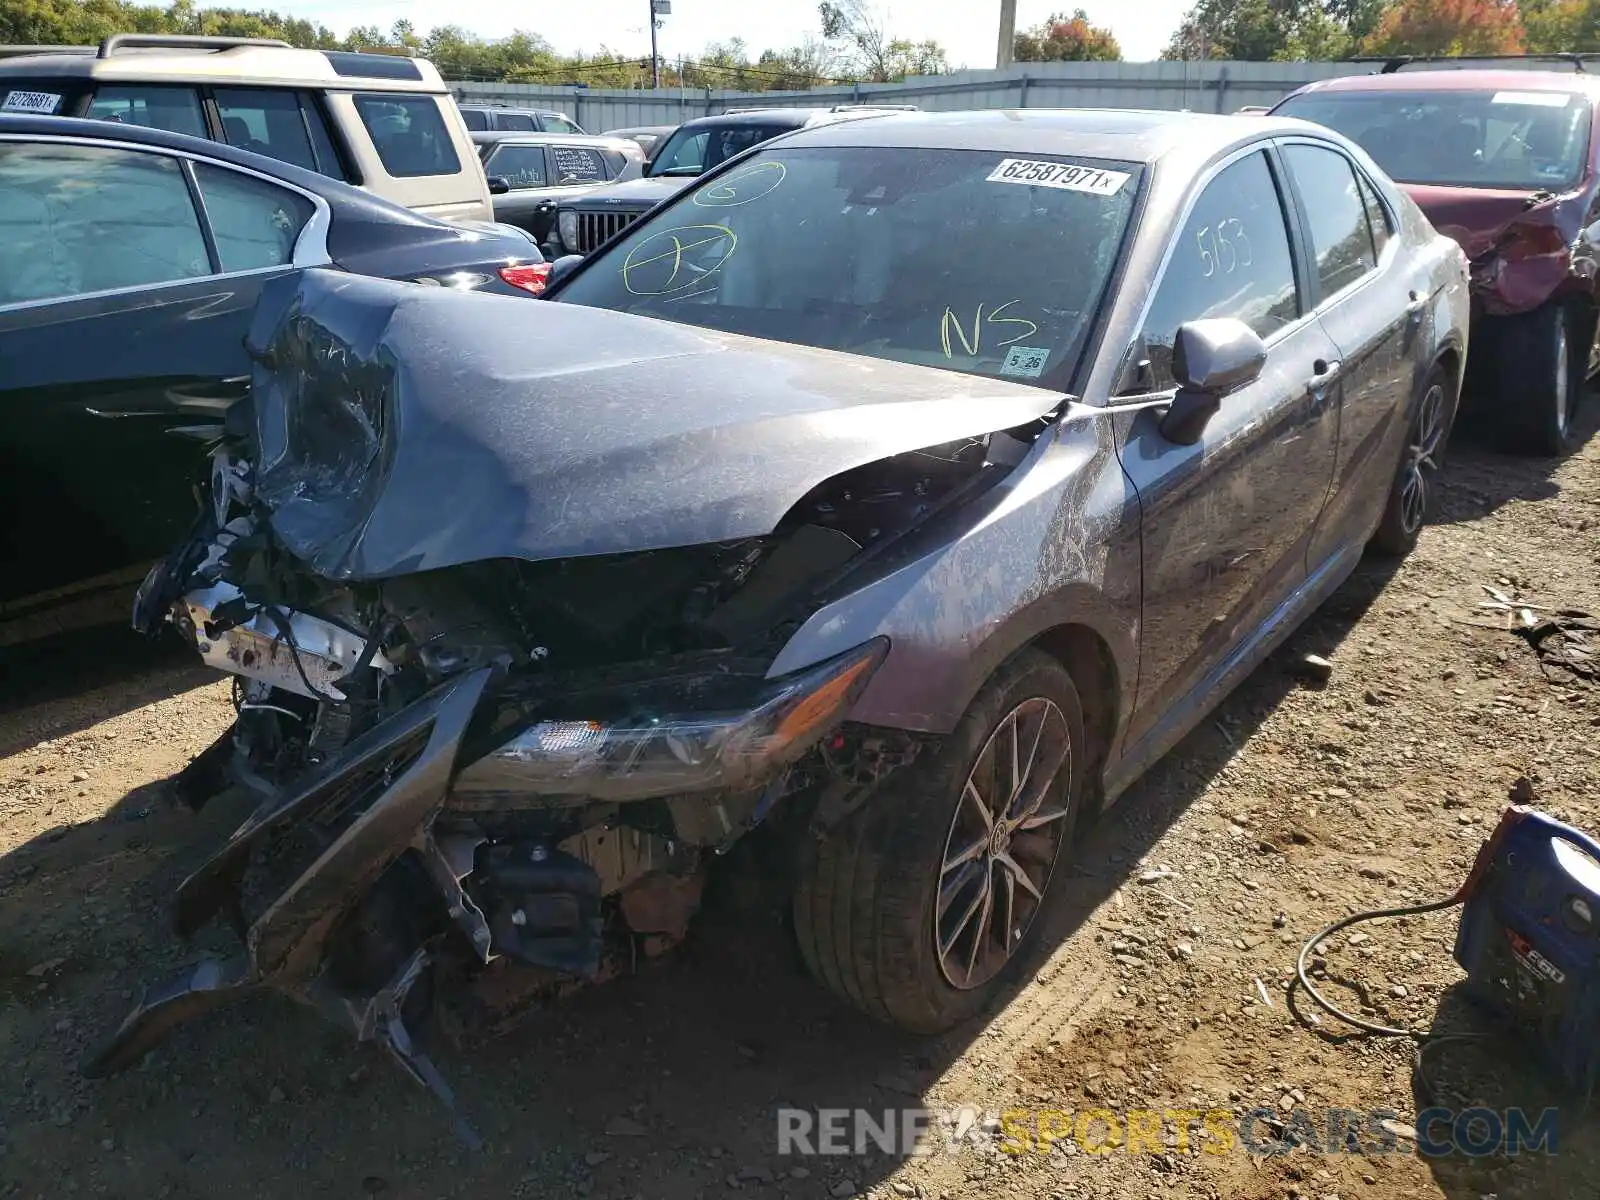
(1333, 1009)
(1423, 1040)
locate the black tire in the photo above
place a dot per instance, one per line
(1413, 493)
(865, 909)
(1540, 360)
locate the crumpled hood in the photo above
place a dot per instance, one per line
(402, 428)
(1525, 246)
(635, 194)
(1478, 219)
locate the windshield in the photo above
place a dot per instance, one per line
(695, 151)
(961, 259)
(1505, 139)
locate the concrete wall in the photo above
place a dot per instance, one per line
(1202, 86)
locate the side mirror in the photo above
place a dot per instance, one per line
(562, 267)
(1210, 359)
(499, 185)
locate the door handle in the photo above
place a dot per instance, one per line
(1325, 371)
(1419, 304)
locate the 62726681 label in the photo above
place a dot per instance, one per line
(31, 102)
(1069, 177)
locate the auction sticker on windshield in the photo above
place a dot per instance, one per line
(1066, 176)
(31, 102)
(1540, 99)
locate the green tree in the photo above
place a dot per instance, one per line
(810, 64)
(1317, 37)
(867, 49)
(863, 47)
(1258, 30)
(1561, 25)
(1064, 38)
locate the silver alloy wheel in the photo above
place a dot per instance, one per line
(1564, 392)
(1422, 459)
(1002, 844)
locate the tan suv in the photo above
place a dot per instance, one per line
(379, 121)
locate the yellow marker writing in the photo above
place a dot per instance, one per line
(668, 249)
(973, 344)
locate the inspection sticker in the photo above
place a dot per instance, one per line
(31, 102)
(1066, 176)
(1542, 99)
(1025, 360)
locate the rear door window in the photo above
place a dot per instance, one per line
(255, 223)
(1377, 215)
(278, 123)
(1340, 236)
(520, 166)
(578, 164)
(518, 122)
(80, 219)
(409, 134)
(476, 119)
(175, 109)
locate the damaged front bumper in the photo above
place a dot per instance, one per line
(397, 775)
(695, 738)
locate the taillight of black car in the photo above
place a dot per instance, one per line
(530, 277)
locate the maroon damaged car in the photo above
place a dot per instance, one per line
(1504, 162)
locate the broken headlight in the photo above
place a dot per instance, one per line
(687, 749)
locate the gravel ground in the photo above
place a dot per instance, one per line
(1167, 987)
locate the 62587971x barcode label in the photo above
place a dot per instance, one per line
(1068, 177)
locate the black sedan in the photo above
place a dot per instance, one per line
(130, 264)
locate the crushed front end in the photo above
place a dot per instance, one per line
(453, 819)
(483, 779)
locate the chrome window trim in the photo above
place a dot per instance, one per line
(310, 248)
(1197, 189)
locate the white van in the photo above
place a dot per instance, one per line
(382, 122)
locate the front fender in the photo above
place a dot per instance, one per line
(1057, 544)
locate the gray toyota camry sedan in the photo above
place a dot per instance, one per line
(897, 494)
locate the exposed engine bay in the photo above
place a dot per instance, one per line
(482, 784)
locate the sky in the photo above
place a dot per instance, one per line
(968, 29)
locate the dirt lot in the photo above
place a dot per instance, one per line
(1295, 805)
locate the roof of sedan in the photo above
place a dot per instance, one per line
(1457, 80)
(1131, 135)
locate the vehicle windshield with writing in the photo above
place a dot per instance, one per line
(1504, 163)
(891, 498)
(915, 255)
